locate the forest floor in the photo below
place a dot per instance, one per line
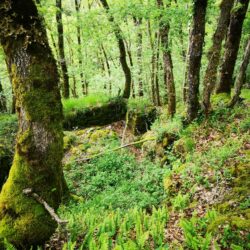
(183, 188)
(180, 187)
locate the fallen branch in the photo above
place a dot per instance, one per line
(48, 208)
(115, 149)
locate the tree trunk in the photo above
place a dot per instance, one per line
(122, 49)
(232, 46)
(215, 52)
(3, 107)
(195, 54)
(39, 146)
(62, 60)
(157, 86)
(240, 78)
(108, 68)
(79, 39)
(168, 64)
(138, 23)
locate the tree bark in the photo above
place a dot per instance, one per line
(195, 54)
(240, 78)
(39, 146)
(215, 52)
(122, 49)
(79, 39)
(138, 23)
(232, 46)
(108, 68)
(62, 60)
(168, 64)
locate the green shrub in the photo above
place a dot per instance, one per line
(117, 180)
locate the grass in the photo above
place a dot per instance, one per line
(81, 103)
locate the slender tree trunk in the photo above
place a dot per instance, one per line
(79, 39)
(153, 62)
(62, 60)
(195, 54)
(122, 49)
(3, 107)
(240, 78)
(39, 146)
(214, 53)
(232, 46)
(71, 59)
(157, 86)
(138, 23)
(168, 64)
(108, 68)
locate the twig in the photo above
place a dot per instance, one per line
(48, 208)
(115, 149)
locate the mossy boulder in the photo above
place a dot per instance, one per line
(156, 149)
(113, 111)
(140, 121)
(85, 143)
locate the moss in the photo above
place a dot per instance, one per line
(220, 99)
(113, 111)
(140, 121)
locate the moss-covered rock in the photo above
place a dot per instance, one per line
(140, 121)
(113, 111)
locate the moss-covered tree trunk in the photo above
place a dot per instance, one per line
(232, 46)
(62, 59)
(168, 64)
(38, 152)
(195, 54)
(138, 24)
(215, 52)
(242, 73)
(122, 50)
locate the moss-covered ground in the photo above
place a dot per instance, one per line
(186, 187)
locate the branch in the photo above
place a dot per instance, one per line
(48, 208)
(115, 149)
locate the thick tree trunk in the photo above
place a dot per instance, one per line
(79, 39)
(215, 52)
(195, 54)
(168, 64)
(3, 107)
(240, 78)
(122, 49)
(62, 60)
(39, 147)
(232, 46)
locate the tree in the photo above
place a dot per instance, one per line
(79, 39)
(240, 78)
(39, 146)
(138, 24)
(215, 52)
(195, 54)
(122, 49)
(168, 64)
(232, 46)
(62, 60)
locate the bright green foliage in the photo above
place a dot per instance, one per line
(133, 229)
(116, 180)
(70, 105)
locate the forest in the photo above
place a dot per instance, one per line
(124, 124)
